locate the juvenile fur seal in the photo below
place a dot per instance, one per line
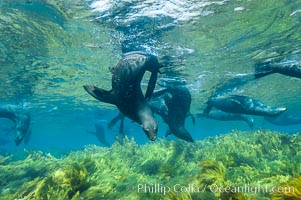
(126, 91)
(100, 132)
(292, 69)
(284, 120)
(243, 105)
(178, 101)
(225, 116)
(21, 118)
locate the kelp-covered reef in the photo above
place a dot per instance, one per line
(238, 165)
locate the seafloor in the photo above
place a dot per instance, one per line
(238, 165)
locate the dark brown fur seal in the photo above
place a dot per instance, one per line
(21, 118)
(126, 91)
(242, 105)
(177, 100)
(226, 116)
(291, 68)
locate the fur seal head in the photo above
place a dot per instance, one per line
(150, 128)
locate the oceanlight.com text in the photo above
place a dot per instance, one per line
(193, 188)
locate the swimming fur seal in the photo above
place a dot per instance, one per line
(225, 116)
(126, 91)
(100, 132)
(21, 118)
(178, 101)
(292, 69)
(243, 105)
(284, 120)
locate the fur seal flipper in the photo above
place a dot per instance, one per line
(100, 94)
(151, 64)
(192, 118)
(113, 121)
(151, 85)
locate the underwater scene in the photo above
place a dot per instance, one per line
(150, 99)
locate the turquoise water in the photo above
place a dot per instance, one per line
(49, 49)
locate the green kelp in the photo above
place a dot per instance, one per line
(4, 159)
(14, 173)
(66, 183)
(290, 190)
(238, 165)
(213, 182)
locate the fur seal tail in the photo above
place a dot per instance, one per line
(100, 94)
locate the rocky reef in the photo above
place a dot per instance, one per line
(238, 165)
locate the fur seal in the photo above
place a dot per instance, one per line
(243, 105)
(225, 116)
(126, 91)
(178, 101)
(292, 69)
(100, 132)
(284, 120)
(21, 118)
